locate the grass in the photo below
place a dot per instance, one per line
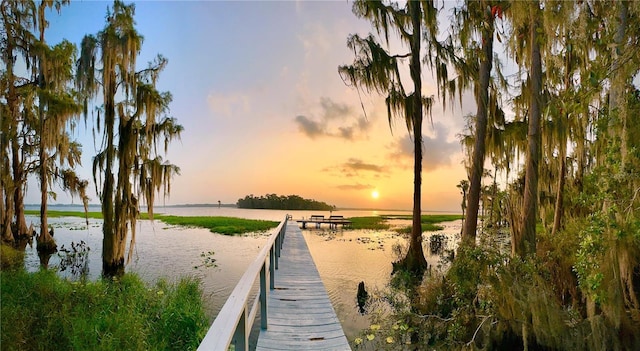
(426, 227)
(10, 258)
(57, 214)
(221, 225)
(373, 222)
(427, 218)
(41, 311)
(429, 222)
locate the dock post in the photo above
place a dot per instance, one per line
(277, 253)
(241, 336)
(272, 266)
(264, 296)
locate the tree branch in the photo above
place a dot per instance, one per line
(407, 55)
(425, 316)
(478, 329)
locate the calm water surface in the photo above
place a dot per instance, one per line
(343, 258)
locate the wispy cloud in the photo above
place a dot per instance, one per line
(309, 127)
(354, 164)
(228, 105)
(334, 119)
(355, 186)
(437, 151)
(356, 168)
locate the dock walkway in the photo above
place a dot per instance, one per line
(300, 315)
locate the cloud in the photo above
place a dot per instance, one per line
(355, 186)
(335, 120)
(437, 151)
(333, 110)
(355, 167)
(310, 128)
(354, 164)
(228, 105)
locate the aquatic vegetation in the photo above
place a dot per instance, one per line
(221, 225)
(75, 259)
(429, 222)
(372, 222)
(59, 214)
(216, 224)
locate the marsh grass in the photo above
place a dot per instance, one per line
(372, 222)
(221, 225)
(58, 214)
(429, 222)
(427, 218)
(41, 311)
(380, 222)
(426, 227)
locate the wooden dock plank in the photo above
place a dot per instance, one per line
(300, 315)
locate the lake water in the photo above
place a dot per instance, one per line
(343, 257)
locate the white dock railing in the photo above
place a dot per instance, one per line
(233, 323)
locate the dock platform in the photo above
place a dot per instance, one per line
(333, 221)
(300, 315)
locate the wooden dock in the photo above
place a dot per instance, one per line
(333, 221)
(295, 310)
(301, 316)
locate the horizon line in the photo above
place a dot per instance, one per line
(235, 206)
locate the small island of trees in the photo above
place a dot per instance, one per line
(289, 202)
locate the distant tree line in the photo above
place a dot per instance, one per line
(276, 202)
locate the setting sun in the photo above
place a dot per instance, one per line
(375, 194)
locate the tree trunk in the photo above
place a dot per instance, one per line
(616, 105)
(18, 191)
(5, 212)
(9, 136)
(559, 208)
(494, 194)
(46, 243)
(615, 308)
(415, 261)
(482, 101)
(112, 263)
(525, 244)
(18, 172)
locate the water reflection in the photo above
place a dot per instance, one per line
(362, 297)
(346, 258)
(44, 258)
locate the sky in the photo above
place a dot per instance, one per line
(256, 87)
